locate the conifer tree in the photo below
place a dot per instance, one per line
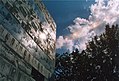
(99, 62)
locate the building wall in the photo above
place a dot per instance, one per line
(27, 40)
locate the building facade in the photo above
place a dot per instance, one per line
(27, 41)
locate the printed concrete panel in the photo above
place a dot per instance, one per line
(6, 69)
(2, 65)
(3, 78)
(13, 72)
(27, 26)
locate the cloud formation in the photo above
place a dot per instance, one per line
(102, 13)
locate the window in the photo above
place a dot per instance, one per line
(7, 36)
(34, 26)
(7, 4)
(41, 68)
(20, 48)
(12, 42)
(25, 52)
(48, 75)
(37, 75)
(8, 17)
(22, 11)
(35, 61)
(38, 65)
(29, 56)
(1, 30)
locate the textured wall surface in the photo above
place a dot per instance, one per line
(27, 41)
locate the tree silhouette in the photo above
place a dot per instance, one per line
(99, 62)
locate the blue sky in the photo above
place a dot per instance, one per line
(65, 11)
(79, 20)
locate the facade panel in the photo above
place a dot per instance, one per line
(27, 39)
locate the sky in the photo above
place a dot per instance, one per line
(79, 20)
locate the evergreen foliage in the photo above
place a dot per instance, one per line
(99, 62)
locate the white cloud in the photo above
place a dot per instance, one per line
(64, 41)
(60, 42)
(102, 12)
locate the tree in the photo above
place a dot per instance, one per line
(99, 62)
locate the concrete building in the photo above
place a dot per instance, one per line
(27, 41)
